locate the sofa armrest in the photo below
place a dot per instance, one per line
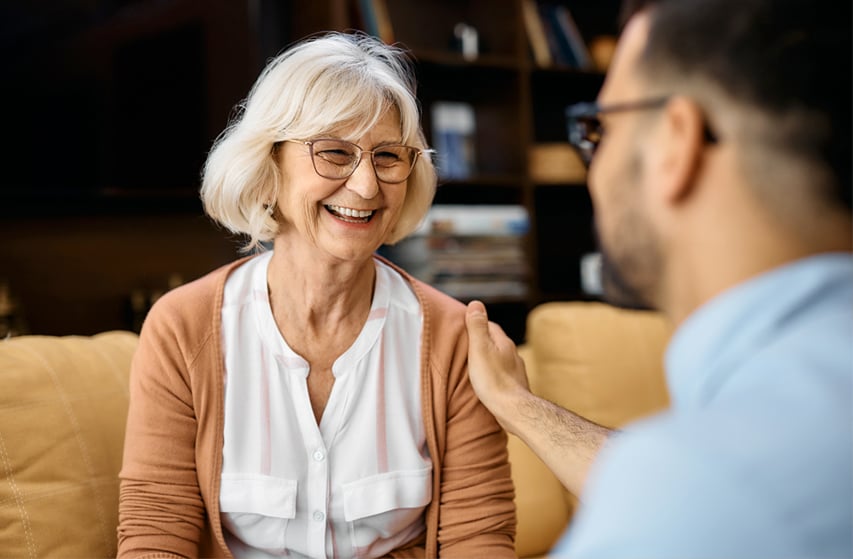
(63, 408)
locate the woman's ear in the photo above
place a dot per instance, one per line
(680, 145)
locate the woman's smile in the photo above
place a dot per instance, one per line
(350, 215)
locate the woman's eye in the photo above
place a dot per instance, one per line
(341, 156)
(386, 157)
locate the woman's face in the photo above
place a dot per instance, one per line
(347, 219)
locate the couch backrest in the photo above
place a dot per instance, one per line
(63, 407)
(603, 363)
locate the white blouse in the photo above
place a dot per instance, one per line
(357, 484)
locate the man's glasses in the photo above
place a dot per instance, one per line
(338, 159)
(585, 129)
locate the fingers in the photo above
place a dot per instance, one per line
(476, 308)
(483, 334)
(477, 321)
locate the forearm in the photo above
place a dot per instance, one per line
(566, 442)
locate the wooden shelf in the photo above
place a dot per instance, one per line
(137, 91)
(483, 61)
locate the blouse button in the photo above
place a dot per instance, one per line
(319, 455)
(318, 515)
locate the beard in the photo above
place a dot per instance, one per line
(630, 267)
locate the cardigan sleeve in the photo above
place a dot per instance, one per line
(160, 506)
(477, 510)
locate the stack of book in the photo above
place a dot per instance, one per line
(554, 36)
(470, 252)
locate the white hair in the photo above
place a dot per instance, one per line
(324, 83)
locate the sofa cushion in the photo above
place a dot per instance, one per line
(63, 407)
(603, 363)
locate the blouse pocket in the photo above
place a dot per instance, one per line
(384, 505)
(257, 508)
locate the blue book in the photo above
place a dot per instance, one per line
(453, 128)
(570, 30)
(561, 49)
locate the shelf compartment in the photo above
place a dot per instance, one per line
(428, 26)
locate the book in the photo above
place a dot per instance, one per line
(376, 20)
(469, 251)
(383, 21)
(476, 220)
(536, 34)
(453, 128)
(561, 50)
(368, 17)
(570, 31)
(478, 251)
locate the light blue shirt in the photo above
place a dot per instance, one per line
(754, 459)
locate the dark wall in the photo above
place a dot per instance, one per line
(77, 275)
(109, 110)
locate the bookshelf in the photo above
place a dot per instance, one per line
(139, 89)
(517, 98)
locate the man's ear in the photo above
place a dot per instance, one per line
(680, 147)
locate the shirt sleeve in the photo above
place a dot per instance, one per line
(652, 493)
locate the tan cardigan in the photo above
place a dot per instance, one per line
(169, 499)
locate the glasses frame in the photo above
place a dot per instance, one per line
(361, 151)
(580, 116)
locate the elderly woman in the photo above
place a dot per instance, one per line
(313, 400)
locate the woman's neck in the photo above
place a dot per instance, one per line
(319, 294)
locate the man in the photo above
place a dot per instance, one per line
(721, 187)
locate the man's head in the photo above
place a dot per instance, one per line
(718, 94)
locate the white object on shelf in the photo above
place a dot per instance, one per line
(591, 273)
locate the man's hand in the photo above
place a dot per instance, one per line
(564, 441)
(494, 366)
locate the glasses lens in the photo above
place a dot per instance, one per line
(394, 163)
(334, 159)
(337, 159)
(584, 136)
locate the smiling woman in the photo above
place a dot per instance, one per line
(307, 94)
(313, 400)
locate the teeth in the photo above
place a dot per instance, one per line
(350, 212)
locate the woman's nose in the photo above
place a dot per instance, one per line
(363, 180)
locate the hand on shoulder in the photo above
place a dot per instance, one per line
(496, 370)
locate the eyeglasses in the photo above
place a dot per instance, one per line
(585, 129)
(338, 159)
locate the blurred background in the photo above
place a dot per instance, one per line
(110, 107)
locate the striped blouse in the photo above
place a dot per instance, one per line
(357, 484)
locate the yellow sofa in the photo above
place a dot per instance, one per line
(603, 363)
(63, 402)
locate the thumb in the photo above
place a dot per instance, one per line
(477, 322)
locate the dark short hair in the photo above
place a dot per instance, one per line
(778, 56)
